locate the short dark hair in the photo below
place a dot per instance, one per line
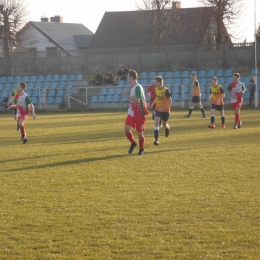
(133, 74)
(159, 79)
(23, 85)
(215, 78)
(236, 74)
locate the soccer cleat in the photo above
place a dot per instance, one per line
(223, 126)
(239, 124)
(212, 126)
(187, 116)
(204, 116)
(141, 152)
(235, 127)
(25, 140)
(132, 147)
(22, 137)
(167, 132)
(156, 142)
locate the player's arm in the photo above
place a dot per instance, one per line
(198, 86)
(151, 106)
(243, 89)
(210, 95)
(10, 100)
(14, 105)
(222, 95)
(168, 95)
(228, 91)
(33, 110)
(138, 95)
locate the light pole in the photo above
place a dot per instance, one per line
(256, 70)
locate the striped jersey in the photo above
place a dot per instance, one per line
(22, 102)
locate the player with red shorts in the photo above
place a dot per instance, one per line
(24, 108)
(136, 112)
(236, 89)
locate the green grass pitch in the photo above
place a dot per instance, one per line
(73, 192)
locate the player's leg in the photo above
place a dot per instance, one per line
(157, 119)
(212, 117)
(223, 118)
(165, 118)
(21, 122)
(237, 116)
(190, 110)
(140, 127)
(16, 118)
(129, 123)
(202, 109)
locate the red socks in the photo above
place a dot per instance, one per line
(237, 118)
(141, 143)
(130, 137)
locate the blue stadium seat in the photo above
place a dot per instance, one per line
(48, 78)
(63, 77)
(45, 84)
(14, 86)
(56, 78)
(30, 85)
(121, 83)
(143, 82)
(123, 98)
(34, 100)
(4, 94)
(10, 80)
(168, 74)
(70, 84)
(17, 79)
(40, 78)
(185, 89)
(50, 100)
(190, 89)
(203, 96)
(246, 80)
(202, 74)
(210, 73)
(108, 98)
(29, 92)
(38, 85)
(60, 92)
(118, 91)
(203, 81)
(57, 100)
(221, 80)
(185, 81)
(101, 98)
(246, 95)
(3, 80)
(115, 98)
(127, 84)
(93, 99)
(177, 81)
(1, 86)
(255, 71)
(175, 90)
(160, 74)
(219, 73)
(185, 74)
(51, 93)
(202, 89)
(71, 77)
(79, 77)
(103, 91)
(54, 84)
(111, 91)
(62, 84)
(143, 75)
(185, 96)
(151, 75)
(35, 93)
(228, 80)
(228, 73)
(33, 79)
(25, 79)
(175, 97)
(151, 82)
(176, 74)
(168, 82)
(7, 86)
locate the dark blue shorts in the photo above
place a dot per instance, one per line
(163, 115)
(195, 99)
(14, 111)
(217, 107)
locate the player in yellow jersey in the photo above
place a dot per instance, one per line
(162, 104)
(196, 97)
(14, 93)
(216, 99)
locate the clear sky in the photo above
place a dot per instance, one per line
(90, 12)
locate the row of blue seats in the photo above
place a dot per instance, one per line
(175, 97)
(39, 85)
(41, 78)
(186, 81)
(37, 92)
(186, 73)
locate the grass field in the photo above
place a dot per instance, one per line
(73, 192)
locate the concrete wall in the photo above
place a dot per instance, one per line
(170, 58)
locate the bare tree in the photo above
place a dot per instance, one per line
(227, 13)
(13, 14)
(258, 34)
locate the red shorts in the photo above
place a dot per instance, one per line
(23, 117)
(138, 123)
(237, 105)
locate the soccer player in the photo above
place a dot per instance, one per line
(216, 99)
(236, 90)
(24, 107)
(196, 96)
(14, 93)
(151, 92)
(162, 108)
(136, 112)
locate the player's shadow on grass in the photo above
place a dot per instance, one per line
(85, 160)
